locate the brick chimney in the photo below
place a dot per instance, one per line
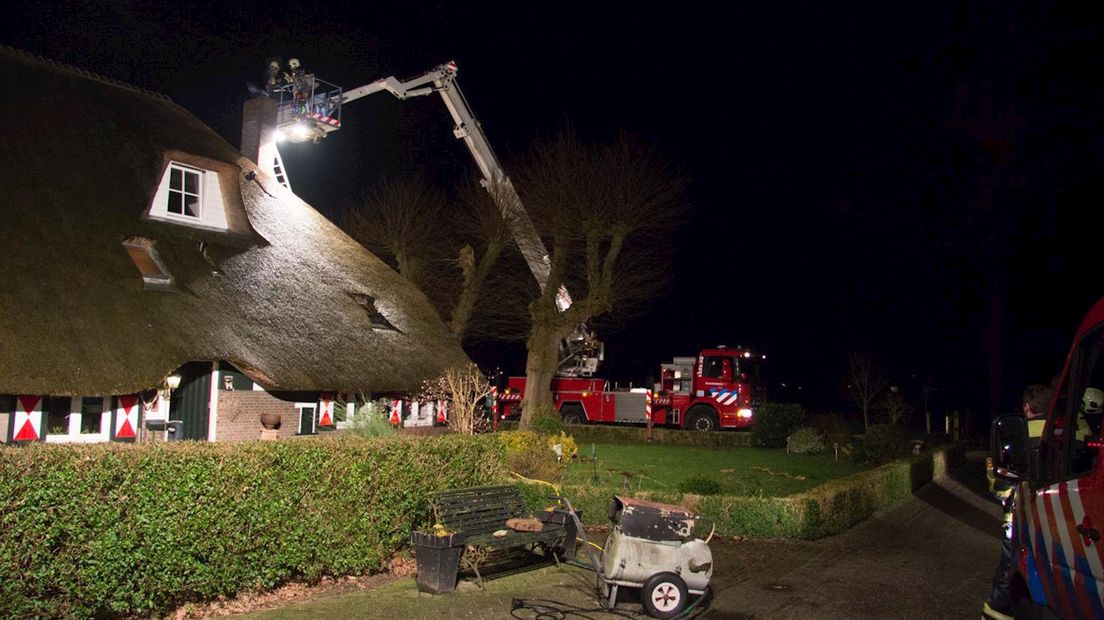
(258, 137)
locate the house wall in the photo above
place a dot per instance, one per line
(7, 404)
(239, 415)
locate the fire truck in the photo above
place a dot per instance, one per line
(1058, 502)
(718, 389)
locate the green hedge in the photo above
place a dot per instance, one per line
(826, 510)
(111, 530)
(601, 433)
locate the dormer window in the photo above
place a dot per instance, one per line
(185, 191)
(191, 196)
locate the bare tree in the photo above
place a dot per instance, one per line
(447, 251)
(485, 225)
(399, 221)
(465, 389)
(897, 409)
(865, 384)
(603, 210)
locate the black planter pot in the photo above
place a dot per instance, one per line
(438, 559)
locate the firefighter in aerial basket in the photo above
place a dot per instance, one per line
(998, 606)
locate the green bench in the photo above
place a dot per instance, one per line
(473, 515)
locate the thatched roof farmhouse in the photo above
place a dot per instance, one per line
(137, 244)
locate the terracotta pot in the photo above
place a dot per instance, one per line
(271, 421)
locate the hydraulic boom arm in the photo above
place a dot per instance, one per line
(442, 80)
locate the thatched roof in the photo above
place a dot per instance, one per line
(281, 295)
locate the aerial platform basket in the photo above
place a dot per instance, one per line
(310, 111)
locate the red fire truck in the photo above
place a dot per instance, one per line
(718, 389)
(1057, 553)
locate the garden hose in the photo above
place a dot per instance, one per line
(535, 481)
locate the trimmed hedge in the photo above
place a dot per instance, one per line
(602, 433)
(112, 530)
(826, 510)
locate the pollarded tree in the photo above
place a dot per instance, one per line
(446, 250)
(605, 212)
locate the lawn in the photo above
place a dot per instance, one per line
(742, 471)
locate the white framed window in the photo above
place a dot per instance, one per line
(191, 196)
(77, 419)
(185, 191)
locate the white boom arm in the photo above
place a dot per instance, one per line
(442, 80)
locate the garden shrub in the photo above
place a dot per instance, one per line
(135, 530)
(530, 454)
(774, 422)
(371, 420)
(700, 485)
(567, 448)
(805, 440)
(547, 420)
(884, 442)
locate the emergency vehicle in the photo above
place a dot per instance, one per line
(718, 389)
(1059, 490)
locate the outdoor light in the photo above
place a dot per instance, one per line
(302, 130)
(172, 382)
(279, 135)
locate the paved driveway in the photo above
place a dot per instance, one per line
(931, 557)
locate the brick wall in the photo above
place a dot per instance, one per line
(239, 415)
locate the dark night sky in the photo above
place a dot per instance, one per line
(860, 172)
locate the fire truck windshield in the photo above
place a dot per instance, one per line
(747, 370)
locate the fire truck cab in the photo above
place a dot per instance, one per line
(717, 389)
(1059, 489)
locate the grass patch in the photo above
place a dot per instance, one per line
(827, 508)
(662, 468)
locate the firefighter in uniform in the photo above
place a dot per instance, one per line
(998, 606)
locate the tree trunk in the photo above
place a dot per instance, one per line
(540, 366)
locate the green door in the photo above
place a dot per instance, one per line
(191, 401)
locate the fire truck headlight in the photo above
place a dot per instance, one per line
(279, 135)
(744, 413)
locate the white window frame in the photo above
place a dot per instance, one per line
(74, 434)
(184, 171)
(210, 208)
(299, 407)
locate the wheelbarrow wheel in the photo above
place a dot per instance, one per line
(664, 595)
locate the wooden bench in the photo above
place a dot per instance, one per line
(475, 514)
